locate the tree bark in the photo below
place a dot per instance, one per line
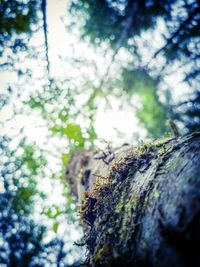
(140, 206)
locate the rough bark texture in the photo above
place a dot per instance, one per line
(141, 206)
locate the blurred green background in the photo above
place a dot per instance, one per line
(74, 73)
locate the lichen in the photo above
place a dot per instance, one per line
(115, 212)
(116, 208)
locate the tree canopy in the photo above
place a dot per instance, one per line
(117, 53)
(17, 20)
(123, 21)
(125, 24)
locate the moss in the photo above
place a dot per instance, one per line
(160, 142)
(155, 193)
(116, 208)
(115, 212)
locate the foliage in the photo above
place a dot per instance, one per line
(16, 25)
(125, 24)
(189, 112)
(22, 240)
(151, 112)
(116, 15)
(59, 107)
(134, 17)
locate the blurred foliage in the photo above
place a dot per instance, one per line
(22, 239)
(192, 114)
(18, 175)
(124, 20)
(152, 113)
(123, 25)
(189, 112)
(58, 105)
(116, 14)
(17, 18)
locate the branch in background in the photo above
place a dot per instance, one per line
(182, 27)
(44, 8)
(123, 36)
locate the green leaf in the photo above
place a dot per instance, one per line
(55, 227)
(65, 158)
(73, 131)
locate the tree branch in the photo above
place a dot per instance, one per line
(143, 209)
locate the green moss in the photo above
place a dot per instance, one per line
(116, 208)
(155, 193)
(115, 212)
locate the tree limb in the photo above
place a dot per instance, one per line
(145, 210)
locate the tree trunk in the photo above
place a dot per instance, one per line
(140, 206)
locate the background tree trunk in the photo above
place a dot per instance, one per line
(141, 206)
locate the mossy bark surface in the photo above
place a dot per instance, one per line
(143, 207)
